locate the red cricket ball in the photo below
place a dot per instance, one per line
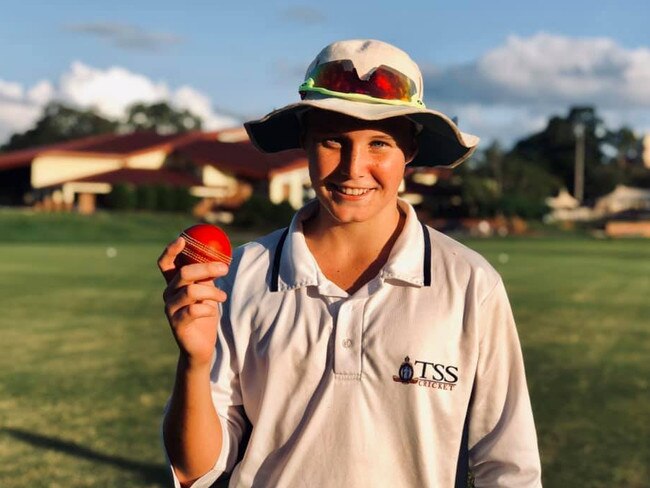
(204, 243)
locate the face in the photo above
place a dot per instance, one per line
(356, 166)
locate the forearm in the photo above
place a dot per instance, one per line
(192, 430)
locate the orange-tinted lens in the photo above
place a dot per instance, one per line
(384, 82)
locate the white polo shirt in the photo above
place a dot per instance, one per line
(403, 384)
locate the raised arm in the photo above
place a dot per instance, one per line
(191, 428)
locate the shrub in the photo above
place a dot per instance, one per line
(258, 211)
(146, 197)
(122, 197)
(165, 198)
(522, 206)
(183, 201)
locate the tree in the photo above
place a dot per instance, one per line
(60, 123)
(611, 156)
(161, 118)
(627, 148)
(525, 187)
(480, 195)
(494, 160)
(553, 149)
(538, 166)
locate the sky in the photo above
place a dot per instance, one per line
(501, 67)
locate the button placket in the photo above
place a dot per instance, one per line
(349, 326)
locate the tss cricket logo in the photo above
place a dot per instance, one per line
(431, 375)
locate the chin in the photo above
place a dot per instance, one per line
(344, 214)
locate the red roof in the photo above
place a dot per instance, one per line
(104, 144)
(127, 144)
(145, 177)
(241, 158)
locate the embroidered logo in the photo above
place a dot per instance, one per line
(432, 375)
(405, 374)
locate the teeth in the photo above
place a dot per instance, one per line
(353, 191)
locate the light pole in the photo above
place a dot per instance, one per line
(579, 174)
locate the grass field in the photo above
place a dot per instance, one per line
(87, 361)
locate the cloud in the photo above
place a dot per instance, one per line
(110, 92)
(126, 36)
(17, 112)
(199, 104)
(509, 89)
(303, 14)
(498, 122)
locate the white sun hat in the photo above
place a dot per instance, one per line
(369, 80)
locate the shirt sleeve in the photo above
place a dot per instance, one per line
(227, 400)
(502, 439)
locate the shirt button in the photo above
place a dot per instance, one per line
(347, 343)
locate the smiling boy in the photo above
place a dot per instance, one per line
(357, 347)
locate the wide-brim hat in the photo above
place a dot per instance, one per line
(362, 79)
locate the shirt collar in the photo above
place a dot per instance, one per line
(407, 263)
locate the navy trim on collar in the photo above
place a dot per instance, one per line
(427, 255)
(275, 274)
(426, 265)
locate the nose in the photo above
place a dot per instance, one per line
(353, 161)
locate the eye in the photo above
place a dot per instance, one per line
(379, 143)
(330, 142)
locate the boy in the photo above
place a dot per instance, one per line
(357, 347)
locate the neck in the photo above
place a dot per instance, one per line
(352, 254)
(366, 237)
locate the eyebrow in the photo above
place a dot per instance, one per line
(336, 132)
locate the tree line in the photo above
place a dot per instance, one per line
(517, 181)
(60, 123)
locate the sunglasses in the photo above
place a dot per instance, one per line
(340, 79)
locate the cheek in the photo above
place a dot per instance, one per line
(391, 171)
(321, 165)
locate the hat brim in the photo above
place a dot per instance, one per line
(440, 142)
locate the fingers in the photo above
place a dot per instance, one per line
(166, 259)
(197, 273)
(194, 285)
(194, 293)
(186, 315)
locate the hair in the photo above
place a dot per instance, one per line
(414, 127)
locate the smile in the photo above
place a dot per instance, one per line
(350, 191)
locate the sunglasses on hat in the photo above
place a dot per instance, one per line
(340, 79)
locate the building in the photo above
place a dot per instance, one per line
(566, 208)
(222, 168)
(418, 182)
(623, 198)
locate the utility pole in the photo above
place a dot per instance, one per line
(579, 174)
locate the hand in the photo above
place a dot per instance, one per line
(191, 303)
